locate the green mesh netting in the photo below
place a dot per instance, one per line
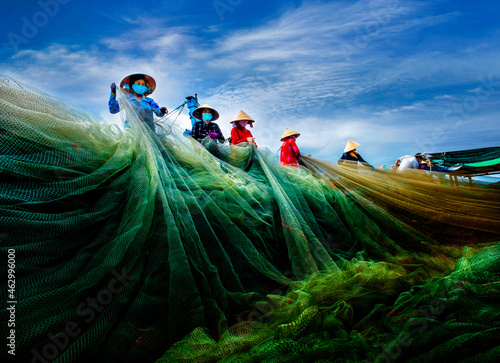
(492, 162)
(136, 247)
(451, 158)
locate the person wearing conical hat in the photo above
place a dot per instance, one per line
(205, 128)
(239, 133)
(289, 150)
(350, 155)
(136, 88)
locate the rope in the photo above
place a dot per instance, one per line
(161, 122)
(178, 112)
(171, 113)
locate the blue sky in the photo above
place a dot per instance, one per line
(398, 77)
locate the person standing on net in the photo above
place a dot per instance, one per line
(136, 87)
(239, 133)
(351, 156)
(205, 128)
(289, 150)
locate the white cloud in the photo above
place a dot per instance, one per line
(331, 70)
(443, 97)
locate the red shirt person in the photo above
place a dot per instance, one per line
(239, 133)
(289, 149)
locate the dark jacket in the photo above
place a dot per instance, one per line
(201, 130)
(348, 156)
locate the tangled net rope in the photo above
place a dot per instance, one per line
(136, 247)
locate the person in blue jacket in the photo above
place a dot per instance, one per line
(136, 88)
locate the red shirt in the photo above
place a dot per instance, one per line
(239, 134)
(289, 152)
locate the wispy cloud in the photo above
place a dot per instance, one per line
(330, 70)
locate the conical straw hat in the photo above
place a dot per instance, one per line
(289, 132)
(242, 116)
(351, 145)
(197, 112)
(150, 82)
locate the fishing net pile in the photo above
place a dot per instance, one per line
(139, 247)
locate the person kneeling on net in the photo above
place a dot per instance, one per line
(409, 162)
(239, 133)
(137, 87)
(205, 128)
(289, 150)
(351, 156)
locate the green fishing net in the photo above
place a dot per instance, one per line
(139, 247)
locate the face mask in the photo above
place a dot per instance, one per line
(139, 89)
(207, 116)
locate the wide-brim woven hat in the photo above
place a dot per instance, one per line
(288, 133)
(197, 112)
(150, 82)
(242, 116)
(351, 145)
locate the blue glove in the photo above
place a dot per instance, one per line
(213, 135)
(113, 88)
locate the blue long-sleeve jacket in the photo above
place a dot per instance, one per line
(192, 105)
(144, 109)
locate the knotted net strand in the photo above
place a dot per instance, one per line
(151, 246)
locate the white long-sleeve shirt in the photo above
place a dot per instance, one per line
(408, 162)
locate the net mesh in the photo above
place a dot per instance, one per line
(132, 246)
(473, 156)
